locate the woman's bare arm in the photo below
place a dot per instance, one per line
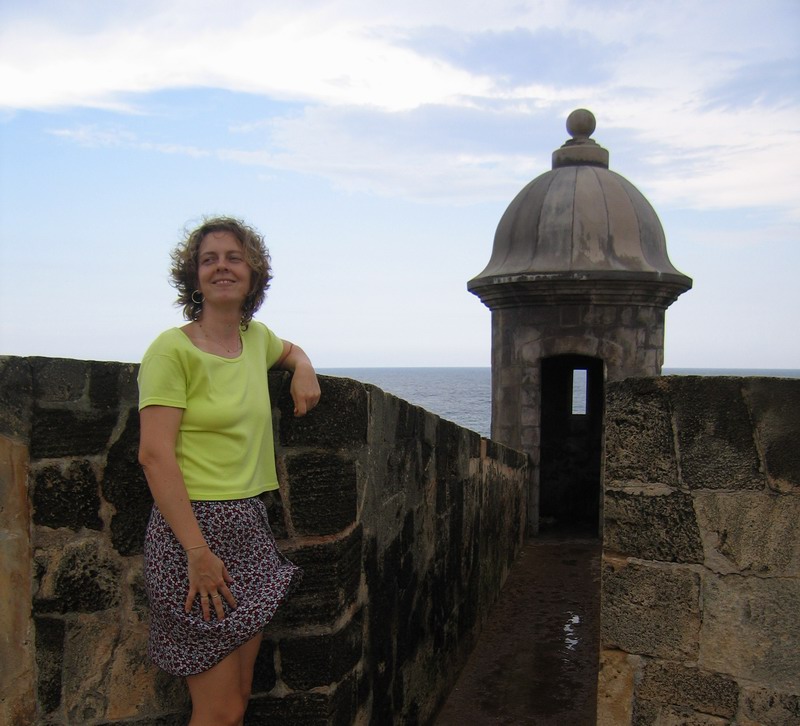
(207, 573)
(305, 386)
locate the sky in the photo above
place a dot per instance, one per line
(376, 146)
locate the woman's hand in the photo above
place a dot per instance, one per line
(305, 386)
(208, 579)
(304, 389)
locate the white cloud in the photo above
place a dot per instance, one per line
(94, 136)
(663, 65)
(348, 52)
(704, 157)
(327, 143)
(308, 55)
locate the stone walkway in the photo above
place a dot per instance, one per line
(536, 659)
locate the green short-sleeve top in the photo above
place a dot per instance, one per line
(224, 448)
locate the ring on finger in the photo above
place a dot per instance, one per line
(216, 597)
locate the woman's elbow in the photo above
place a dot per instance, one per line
(148, 458)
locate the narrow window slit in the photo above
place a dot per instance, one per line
(579, 391)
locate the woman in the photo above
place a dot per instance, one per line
(213, 573)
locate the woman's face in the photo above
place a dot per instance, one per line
(223, 275)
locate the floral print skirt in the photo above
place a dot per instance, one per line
(238, 532)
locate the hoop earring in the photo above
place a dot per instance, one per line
(201, 300)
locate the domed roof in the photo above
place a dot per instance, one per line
(579, 229)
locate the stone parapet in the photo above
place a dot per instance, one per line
(405, 524)
(701, 552)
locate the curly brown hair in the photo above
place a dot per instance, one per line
(183, 272)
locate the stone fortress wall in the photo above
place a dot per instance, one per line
(700, 613)
(405, 524)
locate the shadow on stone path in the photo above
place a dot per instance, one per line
(536, 659)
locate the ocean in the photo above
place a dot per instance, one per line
(464, 395)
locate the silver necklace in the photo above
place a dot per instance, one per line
(236, 348)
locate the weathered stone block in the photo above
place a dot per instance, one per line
(716, 448)
(650, 713)
(639, 440)
(49, 658)
(767, 707)
(319, 660)
(323, 492)
(615, 685)
(17, 657)
(59, 380)
(648, 526)
(750, 532)
(382, 615)
(616, 353)
(504, 456)
(683, 686)
(751, 629)
(273, 501)
(171, 697)
(140, 606)
(332, 574)
(66, 496)
(443, 485)
(333, 706)
(104, 379)
(408, 442)
(57, 432)
(454, 449)
(86, 579)
(309, 709)
(128, 385)
(107, 674)
(345, 702)
(173, 719)
(264, 676)
(409, 421)
(88, 655)
(125, 487)
(651, 611)
(445, 589)
(775, 407)
(340, 419)
(16, 393)
(413, 612)
(129, 683)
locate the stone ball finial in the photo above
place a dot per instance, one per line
(580, 149)
(581, 124)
